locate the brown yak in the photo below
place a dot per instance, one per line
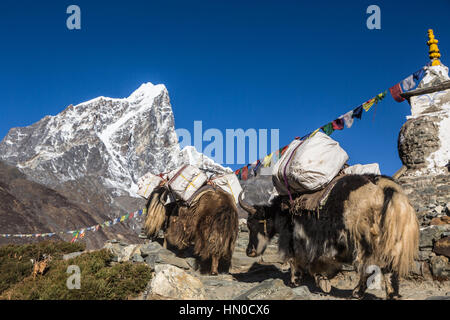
(210, 223)
(366, 220)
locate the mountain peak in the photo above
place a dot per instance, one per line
(148, 90)
(115, 141)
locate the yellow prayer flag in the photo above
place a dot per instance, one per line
(312, 134)
(267, 160)
(368, 104)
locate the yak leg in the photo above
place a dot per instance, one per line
(323, 283)
(392, 285)
(296, 273)
(323, 269)
(214, 265)
(361, 288)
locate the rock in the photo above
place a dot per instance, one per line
(430, 234)
(442, 247)
(72, 255)
(243, 225)
(137, 258)
(418, 139)
(415, 270)
(242, 261)
(271, 289)
(164, 256)
(302, 291)
(149, 248)
(438, 298)
(440, 221)
(174, 283)
(424, 254)
(439, 209)
(193, 263)
(440, 267)
(121, 253)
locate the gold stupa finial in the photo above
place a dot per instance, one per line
(434, 53)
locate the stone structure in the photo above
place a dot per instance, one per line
(424, 148)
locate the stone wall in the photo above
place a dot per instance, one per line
(430, 196)
(424, 148)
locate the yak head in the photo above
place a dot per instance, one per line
(261, 227)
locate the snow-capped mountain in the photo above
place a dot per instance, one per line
(190, 155)
(116, 140)
(93, 154)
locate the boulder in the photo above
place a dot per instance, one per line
(439, 221)
(442, 247)
(271, 289)
(440, 267)
(150, 248)
(121, 252)
(164, 256)
(439, 209)
(174, 283)
(137, 258)
(424, 254)
(302, 292)
(429, 235)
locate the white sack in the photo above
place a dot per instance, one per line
(185, 181)
(371, 168)
(148, 183)
(229, 183)
(313, 164)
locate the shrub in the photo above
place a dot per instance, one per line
(99, 280)
(15, 260)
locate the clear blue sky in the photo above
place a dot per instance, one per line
(292, 65)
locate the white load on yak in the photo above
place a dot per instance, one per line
(308, 165)
(185, 181)
(229, 183)
(370, 168)
(147, 183)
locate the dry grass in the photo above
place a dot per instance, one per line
(100, 279)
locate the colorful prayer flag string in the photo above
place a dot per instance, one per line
(346, 120)
(79, 233)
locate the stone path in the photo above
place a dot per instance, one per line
(178, 277)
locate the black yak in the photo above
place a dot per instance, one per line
(209, 223)
(365, 220)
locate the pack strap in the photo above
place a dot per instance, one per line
(285, 167)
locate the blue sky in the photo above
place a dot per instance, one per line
(291, 65)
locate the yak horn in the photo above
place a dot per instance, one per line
(246, 206)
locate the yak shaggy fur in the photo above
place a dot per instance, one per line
(209, 223)
(366, 220)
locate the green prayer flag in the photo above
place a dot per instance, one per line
(328, 128)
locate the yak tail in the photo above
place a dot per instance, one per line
(399, 242)
(156, 214)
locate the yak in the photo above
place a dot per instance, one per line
(209, 222)
(365, 220)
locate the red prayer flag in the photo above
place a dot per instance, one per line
(338, 124)
(244, 174)
(395, 92)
